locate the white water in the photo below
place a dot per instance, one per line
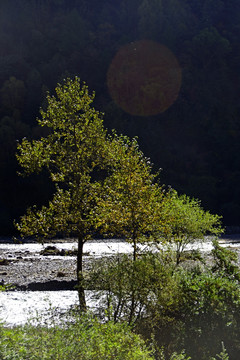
(45, 307)
(17, 307)
(96, 248)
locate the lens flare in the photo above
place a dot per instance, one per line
(144, 78)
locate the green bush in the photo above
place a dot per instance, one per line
(225, 262)
(85, 339)
(129, 289)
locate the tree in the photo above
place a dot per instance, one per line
(74, 152)
(133, 204)
(189, 222)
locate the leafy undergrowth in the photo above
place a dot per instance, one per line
(85, 339)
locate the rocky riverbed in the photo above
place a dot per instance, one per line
(52, 266)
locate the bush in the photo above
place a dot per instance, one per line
(129, 289)
(85, 339)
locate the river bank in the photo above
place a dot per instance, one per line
(28, 266)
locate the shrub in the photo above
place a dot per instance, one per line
(129, 289)
(85, 339)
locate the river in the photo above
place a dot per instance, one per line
(18, 307)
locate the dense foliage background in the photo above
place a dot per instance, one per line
(196, 141)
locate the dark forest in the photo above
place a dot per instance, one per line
(195, 139)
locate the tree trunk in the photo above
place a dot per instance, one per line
(81, 292)
(179, 250)
(132, 308)
(134, 247)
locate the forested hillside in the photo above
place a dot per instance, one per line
(195, 140)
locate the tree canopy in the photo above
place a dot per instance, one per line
(133, 202)
(188, 222)
(74, 148)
